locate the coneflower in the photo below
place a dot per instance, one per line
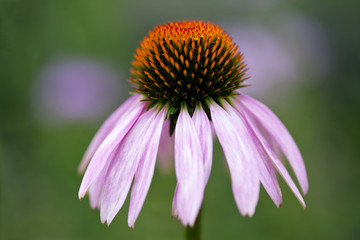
(190, 74)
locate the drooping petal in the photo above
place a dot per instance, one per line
(102, 154)
(267, 173)
(203, 128)
(269, 181)
(174, 211)
(240, 154)
(267, 137)
(95, 191)
(166, 148)
(122, 169)
(97, 186)
(189, 169)
(105, 129)
(145, 170)
(285, 175)
(117, 181)
(264, 116)
(279, 167)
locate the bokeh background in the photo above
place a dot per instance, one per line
(64, 67)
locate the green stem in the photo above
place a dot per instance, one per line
(193, 233)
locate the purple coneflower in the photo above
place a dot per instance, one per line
(188, 73)
(71, 89)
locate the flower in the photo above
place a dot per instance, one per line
(188, 73)
(281, 53)
(270, 61)
(70, 89)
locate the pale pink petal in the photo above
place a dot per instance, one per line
(95, 191)
(122, 169)
(285, 175)
(166, 149)
(105, 129)
(267, 137)
(205, 132)
(269, 181)
(264, 116)
(267, 173)
(203, 128)
(280, 168)
(145, 170)
(97, 186)
(189, 169)
(174, 211)
(118, 178)
(240, 154)
(102, 154)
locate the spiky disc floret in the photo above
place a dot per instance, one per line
(187, 63)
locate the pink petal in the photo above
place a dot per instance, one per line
(285, 175)
(123, 167)
(267, 173)
(102, 154)
(203, 128)
(266, 136)
(264, 116)
(240, 154)
(145, 170)
(105, 129)
(174, 211)
(189, 169)
(95, 191)
(97, 186)
(166, 148)
(280, 168)
(117, 182)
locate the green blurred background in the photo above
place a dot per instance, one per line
(315, 44)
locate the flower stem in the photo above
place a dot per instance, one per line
(193, 233)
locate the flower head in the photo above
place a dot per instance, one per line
(189, 74)
(187, 63)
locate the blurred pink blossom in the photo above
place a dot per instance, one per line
(75, 89)
(280, 52)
